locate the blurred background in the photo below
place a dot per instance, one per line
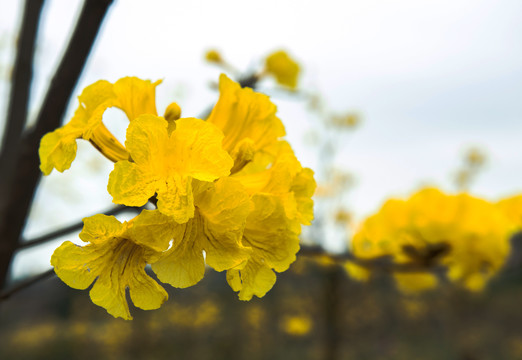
(425, 82)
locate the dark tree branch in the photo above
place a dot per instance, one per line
(382, 263)
(18, 106)
(24, 244)
(18, 190)
(26, 283)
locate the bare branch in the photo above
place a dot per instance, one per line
(381, 263)
(26, 283)
(19, 181)
(22, 75)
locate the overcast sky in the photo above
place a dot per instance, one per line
(430, 78)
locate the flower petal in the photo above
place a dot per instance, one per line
(70, 263)
(130, 186)
(303, 187)
(57, 150)
(153, 230)
(224, 209)
(147, 143)
(196, 150)
(136, 97)
(97, 228)
(254, 279)
(175, 198)
(183, 265)
(274, 244)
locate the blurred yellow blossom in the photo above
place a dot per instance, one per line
(349, 120)
(255, 316)
(467, 235)
(213, 56)
(512, 208)
(473, 162)
(35, 335)
(297, 325)
(283, 67)
(475, 157)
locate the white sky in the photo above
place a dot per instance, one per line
(429, 78)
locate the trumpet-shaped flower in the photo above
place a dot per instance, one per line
(132, 95)
(165, 163)
(467, 235)
(248, 121)
(222, 208)
(285, 70)
(114, 259)
(274, 243)
(282, 197)
(284, 177)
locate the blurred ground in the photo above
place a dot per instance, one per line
(313, 312)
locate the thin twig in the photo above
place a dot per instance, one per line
(24, 244)
(26, 283)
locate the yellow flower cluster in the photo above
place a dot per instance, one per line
(230, 194)
(466, 235)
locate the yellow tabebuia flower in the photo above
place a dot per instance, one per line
(274, 243)
(248, 121)
(165, 163)
(284, 177)
(285, 70)
(115, 259)
(130, 94)
(216, 228)
(467, 235)
(230, 194)
(282, 197)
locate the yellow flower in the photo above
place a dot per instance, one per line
(283, 68)
(216, 228)
(248, 121)
(284, 177)
(132, 95)
(274, 243)
(282, 202)
(280, 188)
(166, 163)
(118, 253)
(115, 258)
(467, 235)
